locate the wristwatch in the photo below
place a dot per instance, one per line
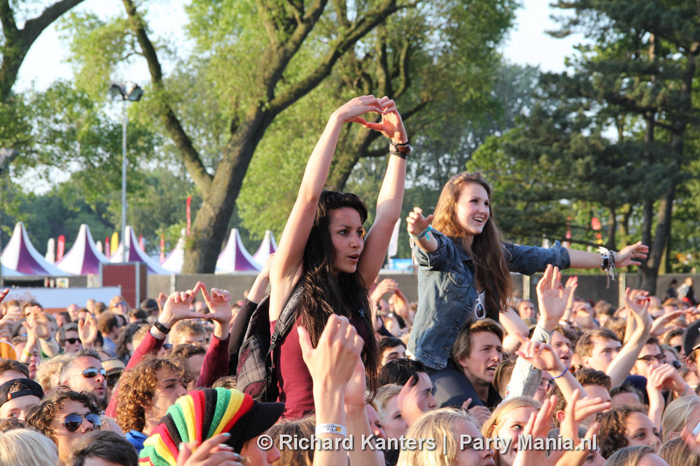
(402, 150)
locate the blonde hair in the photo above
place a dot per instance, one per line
(25, 447)
(438, 425)
(300, 428)
(629, 456)
(496, 419)
(677, 415)
(676, 453)
(384, 394)
(48, 373)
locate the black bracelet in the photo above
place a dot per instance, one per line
(161, 328)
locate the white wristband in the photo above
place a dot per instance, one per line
(331, 429)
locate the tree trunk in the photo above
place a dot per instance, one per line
(209, 227)
(612, 229)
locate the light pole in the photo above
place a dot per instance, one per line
(126, 91)
(6, 158)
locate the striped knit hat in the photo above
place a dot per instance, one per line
(202, 414)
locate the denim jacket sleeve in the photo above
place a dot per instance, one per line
(438, 259)
(526, 378)
(528, 260)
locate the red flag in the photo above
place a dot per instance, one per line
(108, 250)
(162, 248)
(61, 248)
(189, 217)
(141, 243)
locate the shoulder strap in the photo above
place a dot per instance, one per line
(286, 319)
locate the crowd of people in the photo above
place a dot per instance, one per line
(471, 374)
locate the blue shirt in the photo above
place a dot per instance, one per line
(447, 291)
(136, 438)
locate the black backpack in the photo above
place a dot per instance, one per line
(255, 374)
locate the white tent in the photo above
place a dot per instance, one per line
(235, 258)
(22, 256)
(175, 258)
(83, 258)
(136, 254)
(8, 272)
(267, 247)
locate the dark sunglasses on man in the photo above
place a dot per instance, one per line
(90, 373)
(72, 341)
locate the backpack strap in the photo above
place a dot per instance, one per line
(286, 319)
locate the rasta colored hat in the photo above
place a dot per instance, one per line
(202, 414)
(30, 388)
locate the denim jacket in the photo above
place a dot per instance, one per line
(447, 292)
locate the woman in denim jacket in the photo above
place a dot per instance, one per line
(465, 265)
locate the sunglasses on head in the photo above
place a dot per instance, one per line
(72, 341)
(91, 373)
(72, 422)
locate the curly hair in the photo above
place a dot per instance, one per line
(42, 415)
(327, 292)
(613, 425)
(126, 337)
(138, 385)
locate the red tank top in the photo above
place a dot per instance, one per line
(293, 378)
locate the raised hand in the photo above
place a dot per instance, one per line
(662, 324)
(541, 355)
(37, 323)
(177, 306)
(87, 331)
(386, 286)
(552, 298)
(219, 304)
(666, 376)
(332, 363)
(538, 426)
(638, 304)
(352, 111)
(391, 124)
(416, 222)
(630, 254)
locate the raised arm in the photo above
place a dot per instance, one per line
(621, 366)
(296, 232)
(390, 195)
(623, 258)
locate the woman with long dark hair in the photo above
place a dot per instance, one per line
(465, 265)
(324, 250)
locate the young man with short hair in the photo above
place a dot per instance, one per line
(476, 354)
(597, 348)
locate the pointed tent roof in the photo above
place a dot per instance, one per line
(135, 254)
(267, 247)
(83, 258)
(234, 257)
(22, 256)
(8, 272)
(175, 258)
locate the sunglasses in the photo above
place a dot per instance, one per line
(72, 341)
(90, 373)
(72, 422)
(112, 379)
